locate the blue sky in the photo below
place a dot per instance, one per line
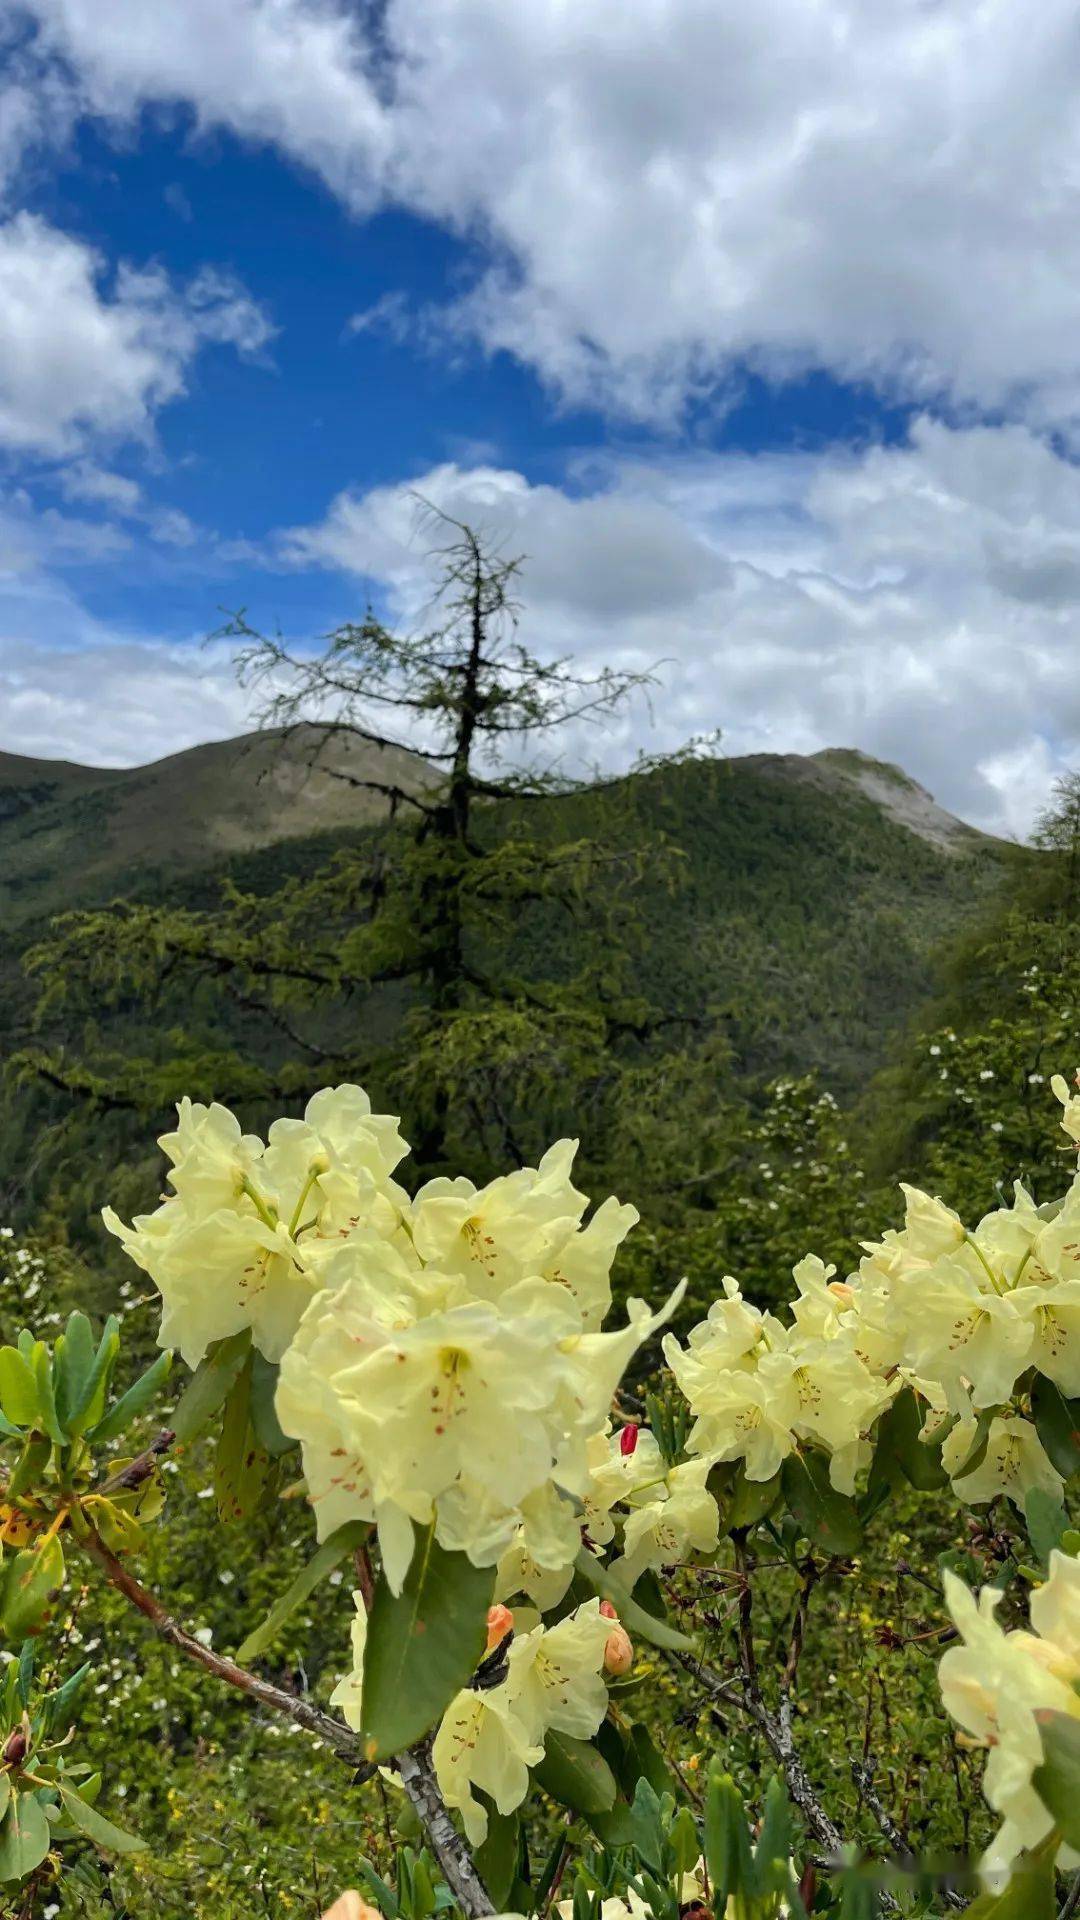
(756, 331)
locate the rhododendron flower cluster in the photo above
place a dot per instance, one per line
(442, 1357)
(490, 1736)
(966, 1317)
(244, 1237)
(759, 1387)
(994, 1686)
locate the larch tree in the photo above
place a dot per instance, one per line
(474, 953)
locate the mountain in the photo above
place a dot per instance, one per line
(902, 799)
(818, 895)
(70, 833)
(816, 891)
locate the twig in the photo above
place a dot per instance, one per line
(798, 1627)
(334, 1733)
(414, 1765)
(744, 1565)
(139, 1469)
(1072, 1901)
(862, 1772)
(419, 1782)
(779, 1739)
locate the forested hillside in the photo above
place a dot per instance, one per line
(790, 927)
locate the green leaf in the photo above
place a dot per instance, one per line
(29, 1466)
(899, 1441)
(1057, 1781)
(751, 1501)
(976, 1453)
(18, 1389)
(330, 1555)
(57, 1703)
(209, 1387)
(728, 1853)
(133, 1402)
(29, 1579)
(497, 1856)
(542, 1890)
(24, 1672)
(91, 1404)
(43, 1375)
(423, 1645)
(74, 1358)
(649, 1835)
(634, 1618)
(649, 1764)
(242, 1468)
(24, 1837)
(826, 1517)
(96, 1827)
(1029, 1894)
(5, 1792)
(616, 1827)
(264, 1379)
(1057, 1422)
(576, 1775)
(1047, 1521)
(772, 1852)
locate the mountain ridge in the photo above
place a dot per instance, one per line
(90, 827)
(69, 832)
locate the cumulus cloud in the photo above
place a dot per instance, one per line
(102, 697)
(916, 601)
(292, 72)
(669, 190)
(81, 358)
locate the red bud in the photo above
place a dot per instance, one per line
(628, 1439)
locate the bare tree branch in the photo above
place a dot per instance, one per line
(414, 1765)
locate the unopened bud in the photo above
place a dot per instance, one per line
(16, 1747)
(608, 1610)
(351, 1907)
(628, 1439)
(500, 1622)
(618, 1652)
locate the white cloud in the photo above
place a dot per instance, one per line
(290, 72)
(103, 697)
(85, 480)
(884, 188)
(919, 602)
(80, 359)
(118, 494)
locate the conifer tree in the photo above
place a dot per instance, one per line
(472, 953)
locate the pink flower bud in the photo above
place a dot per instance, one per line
(499, 1622)
(608, 1610)
(628, 1439)
(618, 1652)
(351, 1907)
